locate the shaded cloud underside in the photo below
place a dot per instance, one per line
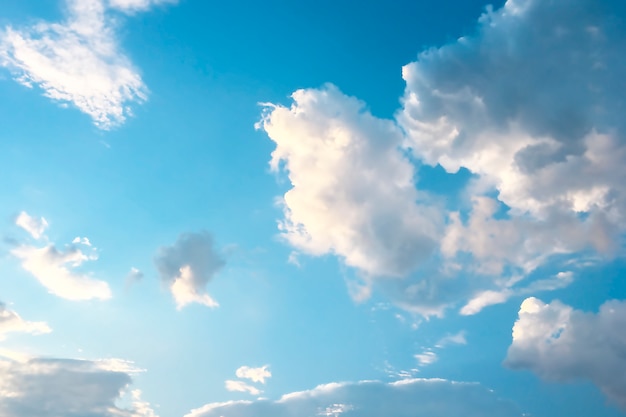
(68, 388)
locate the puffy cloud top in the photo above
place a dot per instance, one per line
(560, 343)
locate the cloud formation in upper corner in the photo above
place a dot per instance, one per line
(79, 60)
(530, 104)
(187, 266)
(68, 388)
(414, 398)
(56, 269)
(560, 343)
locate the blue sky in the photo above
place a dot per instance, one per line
(294, 209)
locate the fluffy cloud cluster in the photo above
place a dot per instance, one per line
(56, 269)
(68, 388)
(414, 397)
(530, 105)
(79, 60)
(187, 266)
(11, 322)
(258, 375)
(560, 343)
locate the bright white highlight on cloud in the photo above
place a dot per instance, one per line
(560, 343)
(35, 227)
(240, 386)
(67, 388)
(77, 61)
(254, 374)
(187, 266)
(11, 322)
(407, 398)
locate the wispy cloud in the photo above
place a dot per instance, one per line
(240, 386)
(11, 322)
(407, 398)
(56, 269)
(79, 60)
(34, 226)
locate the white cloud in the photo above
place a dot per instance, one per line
(353, 193)
(560, 343)
(67, 388)
(56, 270)
(414, 398)
(130, 6)
(259, 374)
(77, 61)
(240, 386)
(11, 322)
(427, 357)
(527, 102)
(489, 297)
(187, 267)
(452, 339)
(81, 241)
(35, 227)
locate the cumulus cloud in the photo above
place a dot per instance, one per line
(259, 374)
(353, 193)
(56, 269)
(560, 343)
(187, 266)
(78, 61)
(529, 104)
(11, 322)
(35, 227)
(414, 397)
(68, 388)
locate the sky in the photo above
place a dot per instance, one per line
(300, 209)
